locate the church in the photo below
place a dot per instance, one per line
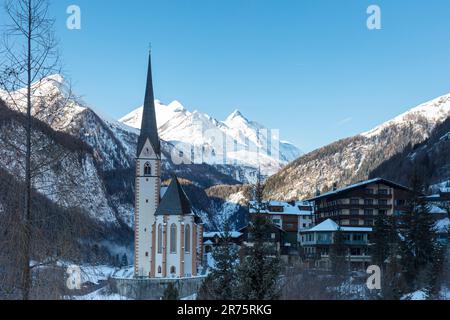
(168, 234)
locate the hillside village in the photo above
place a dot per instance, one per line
(303, 230)
(169, 204)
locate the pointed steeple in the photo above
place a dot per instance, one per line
(149, 128)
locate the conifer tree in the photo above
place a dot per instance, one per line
(124, 260)
(419, 245)
(260, 267)
(393, 284)
(258, 273)
(171, 292)
(381, 240)
(338, 253)
(221, 281)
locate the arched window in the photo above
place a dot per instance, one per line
(159, 269)
(173, 270)
(173, 238)
(147, 169)
(160, 238)
(187, 239)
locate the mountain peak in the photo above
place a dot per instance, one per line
(435, 111)
(55, 78)
(176, 106)
(236, 115)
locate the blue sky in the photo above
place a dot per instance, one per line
(310, 68)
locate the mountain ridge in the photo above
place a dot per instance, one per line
(353, 158)
(243, 138)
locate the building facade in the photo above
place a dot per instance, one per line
(290, 217)
(317, 241)
(168, 234)
(358, 205)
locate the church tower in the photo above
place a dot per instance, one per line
(148, 183)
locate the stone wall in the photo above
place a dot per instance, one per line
(153, 289)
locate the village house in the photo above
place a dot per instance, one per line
(288, 219)
(351, 210)
(358, 205)
(213, 239)
(317, 241)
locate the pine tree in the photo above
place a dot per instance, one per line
(381, 240)
(221, 281)
(206, 291)
(419, 246)
(258, 274)
(338, 252)
(124, 260)
(171, 292)
(393, 284)
(260, 267)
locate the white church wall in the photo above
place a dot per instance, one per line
(147, 199)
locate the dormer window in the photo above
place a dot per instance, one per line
(147, 169)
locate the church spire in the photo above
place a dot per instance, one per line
(149, 128)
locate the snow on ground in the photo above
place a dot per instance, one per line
(125, 273)
(442, 225)
(192, 297)
(445, 293)
(95, 274)
(100, 294)
(210, 262)
(443, 186)
(417, 295)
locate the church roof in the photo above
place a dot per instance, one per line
(174, 201)
(149, 128)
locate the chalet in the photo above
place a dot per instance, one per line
(212, 239)
(290, 217)
(358, 205)
(316, 243)
(274, 237)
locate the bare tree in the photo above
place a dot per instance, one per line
(29, 56)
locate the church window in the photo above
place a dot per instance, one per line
(173, 238)
(160, 238)
(187, 240)
(147, 169)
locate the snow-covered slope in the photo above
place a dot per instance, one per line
(434, 111)
(353, 159)
(105, 173)
(235, 141)
(430, 159)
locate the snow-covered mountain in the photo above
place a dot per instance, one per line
(101, 154)
(430, 159)
(353, 159)
(235, 141)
